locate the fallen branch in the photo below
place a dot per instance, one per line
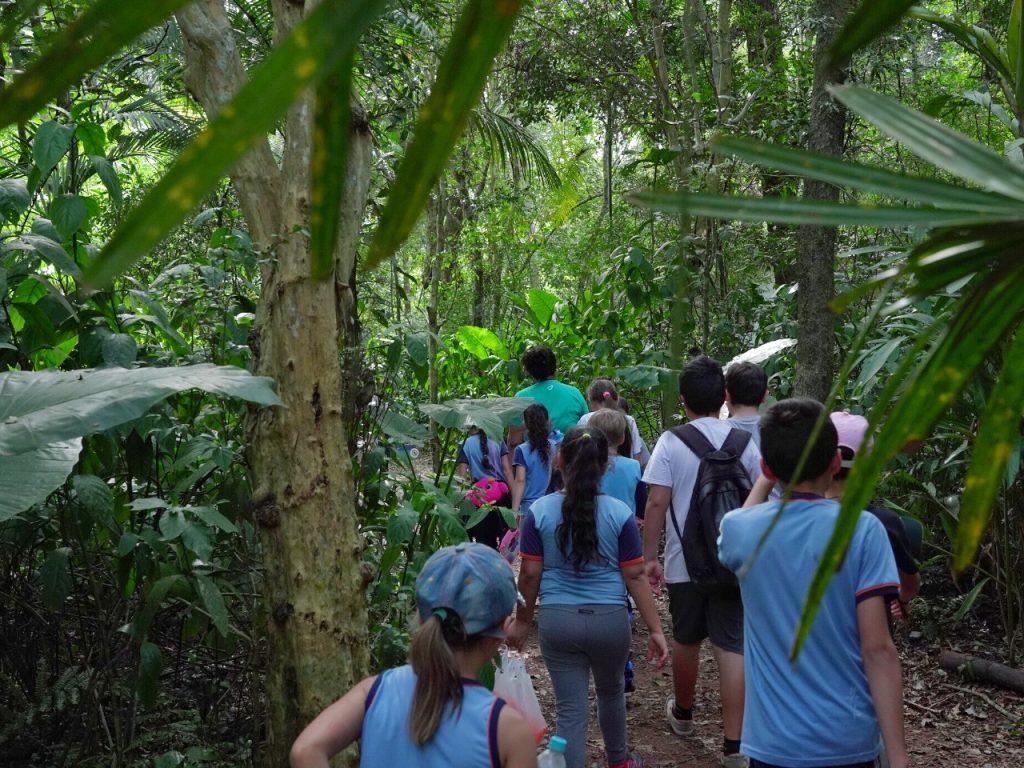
(983, 697)
(981, 670)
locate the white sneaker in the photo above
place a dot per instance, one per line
(677, 726)
(735, 760)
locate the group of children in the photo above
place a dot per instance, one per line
(839, 704)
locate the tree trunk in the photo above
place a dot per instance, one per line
(303, 499)
(815, 364)
(668, 117)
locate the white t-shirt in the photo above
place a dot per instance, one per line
(634, 433)
(674, 465)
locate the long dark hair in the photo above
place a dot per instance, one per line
(536, 421)
(584, 453)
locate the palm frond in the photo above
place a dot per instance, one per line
(513, 146)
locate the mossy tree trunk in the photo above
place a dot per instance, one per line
(303, 498)
(816, 352)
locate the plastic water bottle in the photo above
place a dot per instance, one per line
(554, 755)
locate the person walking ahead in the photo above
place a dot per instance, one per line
(581, 551)
(698, 610)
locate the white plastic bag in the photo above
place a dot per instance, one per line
(512, 683)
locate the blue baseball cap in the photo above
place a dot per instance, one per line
(472, 580)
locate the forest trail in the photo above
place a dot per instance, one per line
(950, 723)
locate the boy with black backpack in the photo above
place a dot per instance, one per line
(697, 473)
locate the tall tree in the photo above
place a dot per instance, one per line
(817, 244)
(304, 505)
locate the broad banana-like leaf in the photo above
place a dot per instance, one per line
(37, 409)
(490, 414)
(44, 415)
(28, 478)
(479, 36)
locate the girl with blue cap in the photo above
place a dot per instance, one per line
(432, 712)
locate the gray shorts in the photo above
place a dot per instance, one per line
(703, 610)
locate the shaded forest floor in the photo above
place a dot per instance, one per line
(950, 723)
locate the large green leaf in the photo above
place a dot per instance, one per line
(491, 414)
(870, 179)
(37, 409)
(866, 24)
(314, 49)
(329, 164)
(542, 305)
(14, 198)
(481, 342)
(28, 478)
(51, 142)
(818, 212)
(997, 437)
(934, 142)
(82, 46)
(478, 37)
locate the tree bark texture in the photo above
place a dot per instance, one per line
(303, 499)
(815, 357)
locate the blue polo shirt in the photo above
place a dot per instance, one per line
(599, 582)
(817, 711)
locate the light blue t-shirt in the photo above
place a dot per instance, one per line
(817, 711)
(751, 424)
(471, 454)
(599, 582)
(621, 479)
(538, 472)
(468, 739)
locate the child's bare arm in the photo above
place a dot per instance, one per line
(882, 665)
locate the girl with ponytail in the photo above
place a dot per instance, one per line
(532, 464)
(581, 553)
(432, 713)
(602, 395)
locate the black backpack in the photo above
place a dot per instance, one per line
(722, 485)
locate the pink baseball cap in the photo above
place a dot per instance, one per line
(851, 429)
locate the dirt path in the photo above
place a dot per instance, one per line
(949, 722)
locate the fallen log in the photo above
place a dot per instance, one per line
(983, 671)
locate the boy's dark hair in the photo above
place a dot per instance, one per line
(702, 385)
(746, 383)
(785, 429)
(540, 363)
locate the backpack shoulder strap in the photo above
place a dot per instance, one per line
(693, 439)
(737, 441)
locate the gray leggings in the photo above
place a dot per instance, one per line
(574, 640)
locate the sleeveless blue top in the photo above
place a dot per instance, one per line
(466, 740)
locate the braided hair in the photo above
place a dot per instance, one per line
(485, 454)
(584, 453)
